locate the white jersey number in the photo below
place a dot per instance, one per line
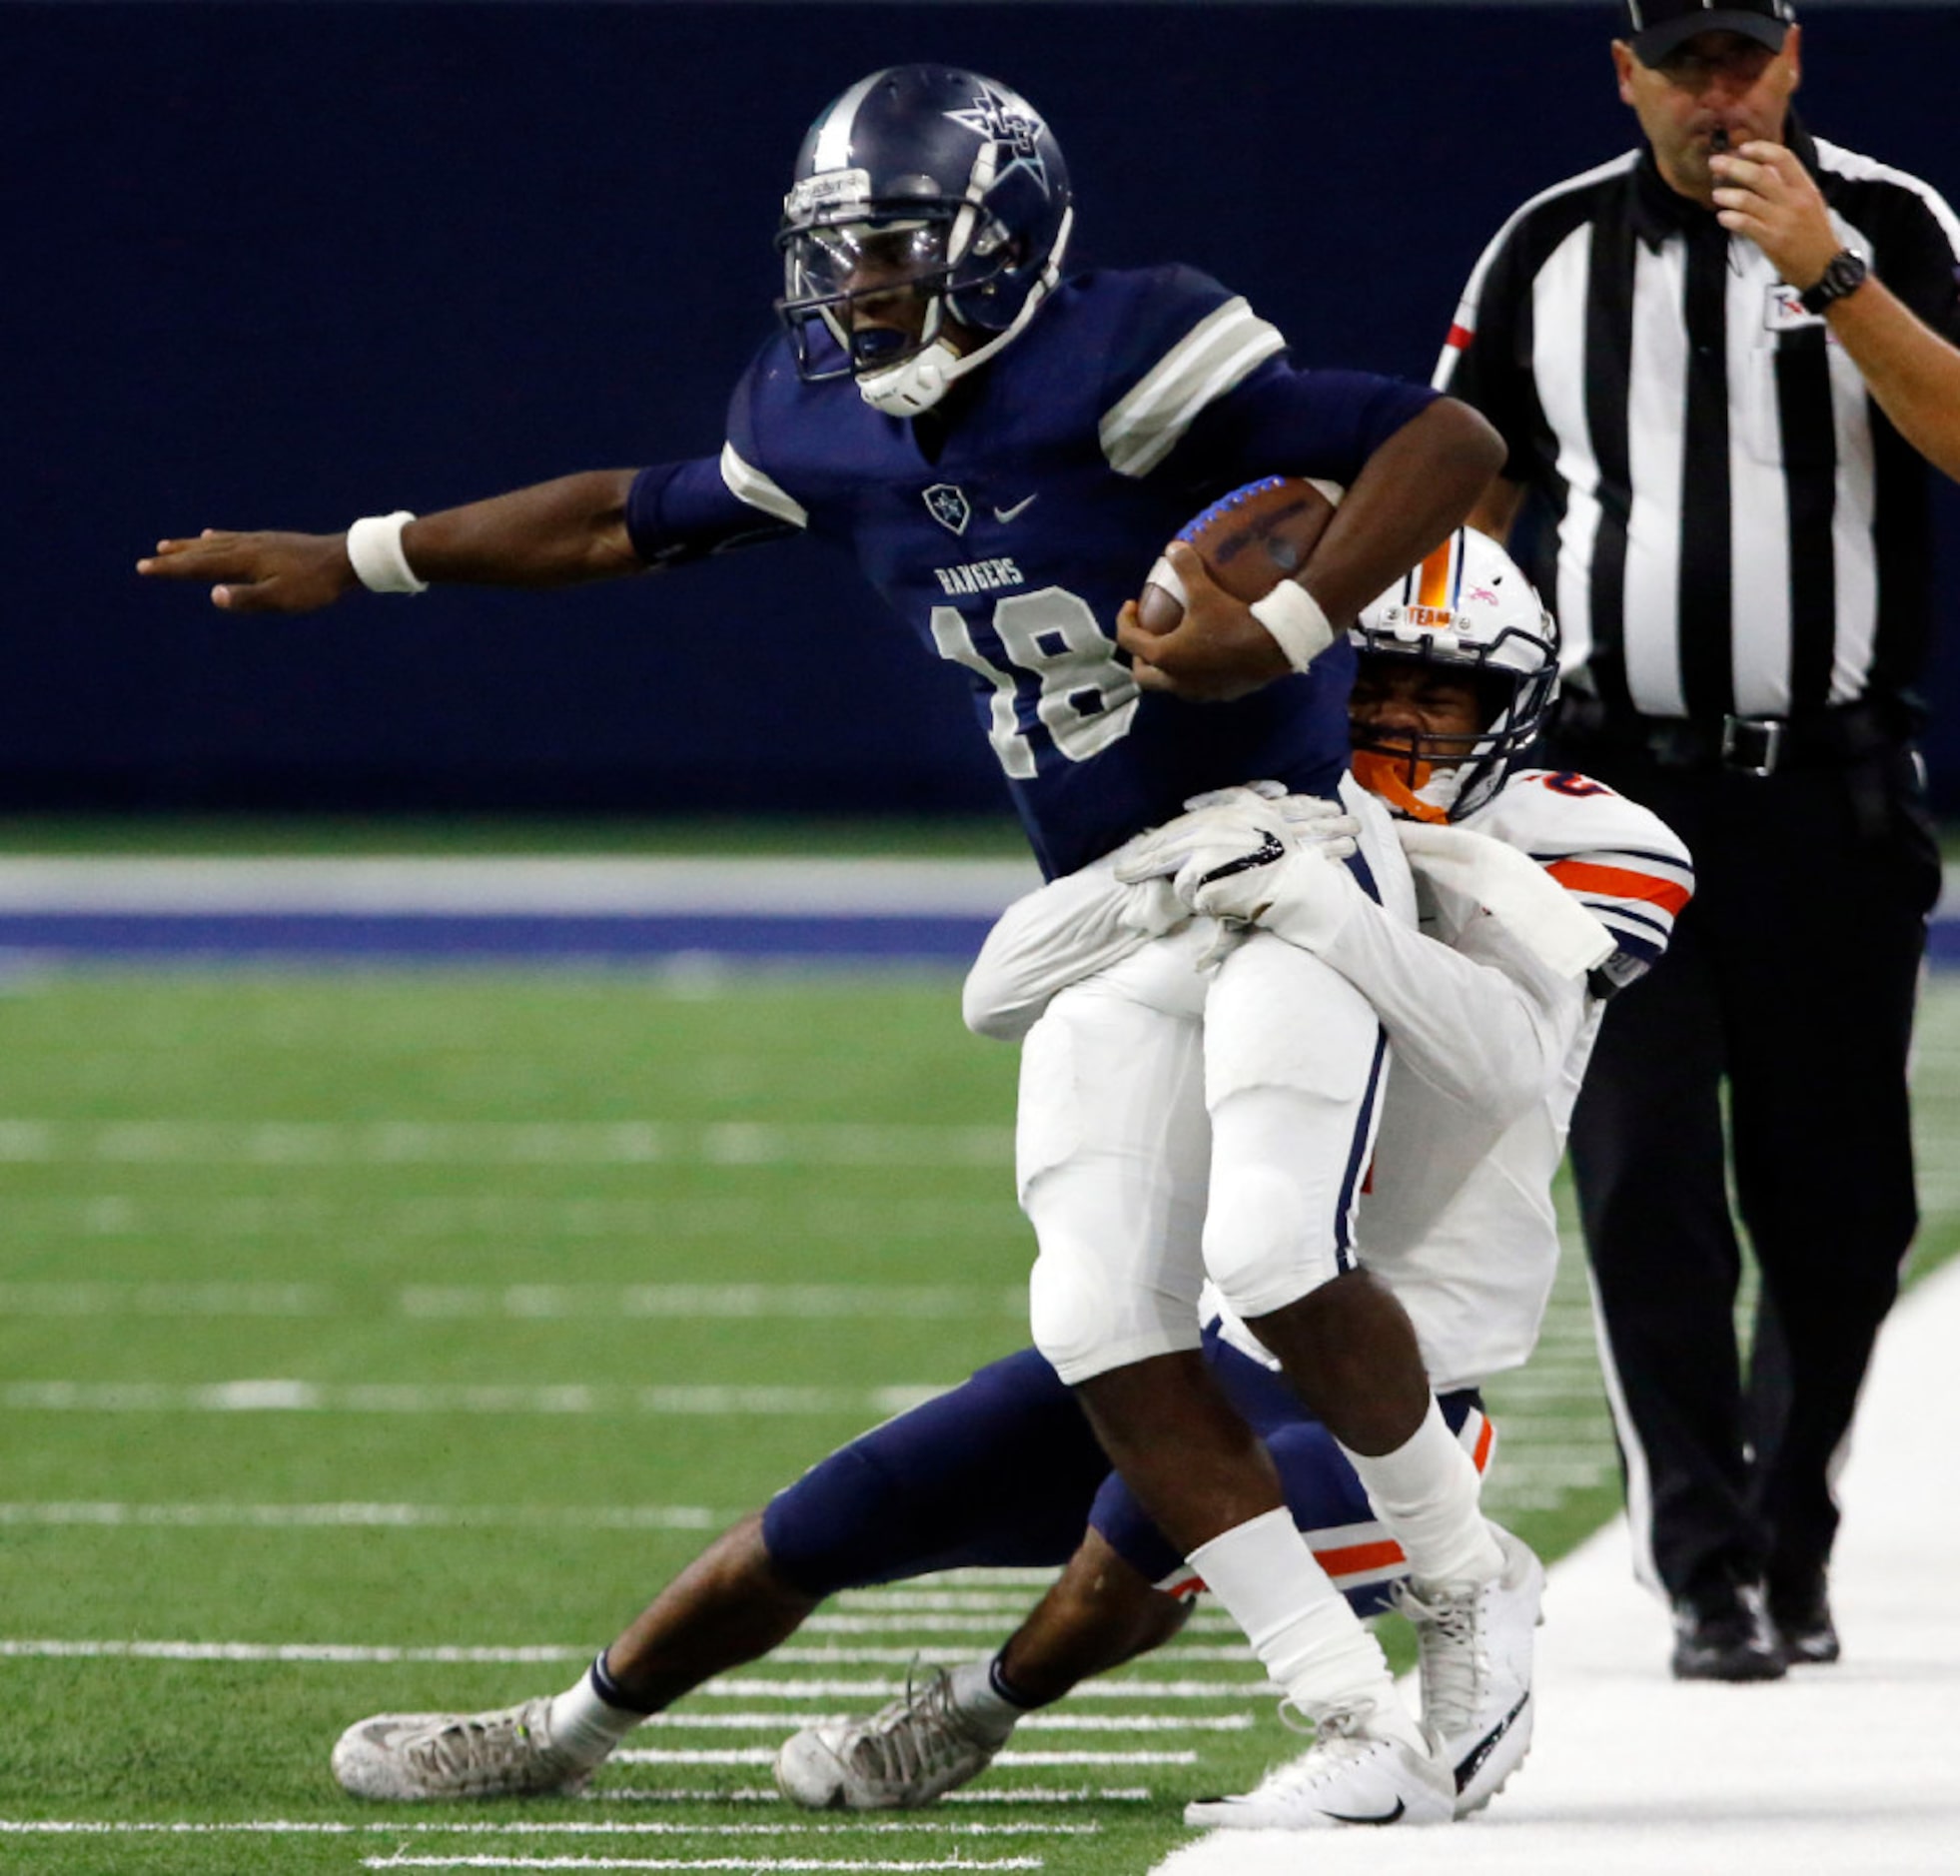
(1083, 697)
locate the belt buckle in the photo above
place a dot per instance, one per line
(1751, 745)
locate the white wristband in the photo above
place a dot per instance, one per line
(1294, 617)
(373, 544)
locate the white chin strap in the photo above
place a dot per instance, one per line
(918, 382)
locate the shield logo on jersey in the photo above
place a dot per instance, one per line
(949, 505)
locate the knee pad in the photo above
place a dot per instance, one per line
(1264, 1243)
(1085, 1328)
(1067, 1313)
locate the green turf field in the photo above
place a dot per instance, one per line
(382, 1341)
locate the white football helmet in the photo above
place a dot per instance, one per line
(1465, 608)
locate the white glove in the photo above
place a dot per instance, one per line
(1229, 831)
(1227, 852)
(1232, 831)
(1305, 896)
(1316, 822)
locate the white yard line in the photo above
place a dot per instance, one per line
(521, 1301)
(407, 885)
(732, 1687)
(311, 1827)
(687, 1719)
(1835, 1771)
(274, 1394)
(746, 1864)
(984, 1794)
(287, 1212)
(31, 1140)
(766, 1755)
(114, 1514)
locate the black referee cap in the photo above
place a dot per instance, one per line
(1657, 27)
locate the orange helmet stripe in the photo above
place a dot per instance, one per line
(1434, 586)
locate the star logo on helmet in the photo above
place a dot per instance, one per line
(1001, 118)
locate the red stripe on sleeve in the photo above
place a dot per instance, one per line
(1618, 882)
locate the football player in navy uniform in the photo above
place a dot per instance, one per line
(1490, 1043)
(1004, 450)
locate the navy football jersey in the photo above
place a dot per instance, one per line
(1008, 532)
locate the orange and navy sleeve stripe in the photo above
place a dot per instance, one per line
(1636, 894)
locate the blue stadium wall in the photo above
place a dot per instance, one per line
(283, 263)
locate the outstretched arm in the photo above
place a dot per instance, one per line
(555, 533)
(1912, 372)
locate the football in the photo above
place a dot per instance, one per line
(1250, 540)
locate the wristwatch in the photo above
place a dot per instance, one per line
(1843, 274)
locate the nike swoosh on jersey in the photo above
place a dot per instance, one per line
(1007, 514)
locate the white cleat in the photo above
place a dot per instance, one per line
(912, 1750)
(1476, 1663)
(424, 1757)
(1348, 1776)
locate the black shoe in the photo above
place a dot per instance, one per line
(1802, 1615)
(1725, 1636)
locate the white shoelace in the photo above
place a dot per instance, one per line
(1453, 1674)
(484, 1744)
(914, 1736)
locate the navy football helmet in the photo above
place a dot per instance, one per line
(1467, 610)
(925, 198)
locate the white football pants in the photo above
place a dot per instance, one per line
(1176, 1123)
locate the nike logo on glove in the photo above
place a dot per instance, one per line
(1007, 514)
(1268, 850)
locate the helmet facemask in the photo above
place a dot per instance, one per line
(923, 254)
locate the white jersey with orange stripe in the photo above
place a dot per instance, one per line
(1458, 1214)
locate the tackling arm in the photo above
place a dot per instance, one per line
(1056, 936)
(1485, 1020)
(1488, 1020)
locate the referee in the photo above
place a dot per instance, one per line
(1693, 353)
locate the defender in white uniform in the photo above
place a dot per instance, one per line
(1539, 893)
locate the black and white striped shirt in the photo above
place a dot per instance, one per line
(1729, 523)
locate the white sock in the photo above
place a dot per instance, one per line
(986, 1709)
(585, 1727)
(1299, 1625)
(1427, 1492)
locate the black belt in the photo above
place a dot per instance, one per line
(1746, 746)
